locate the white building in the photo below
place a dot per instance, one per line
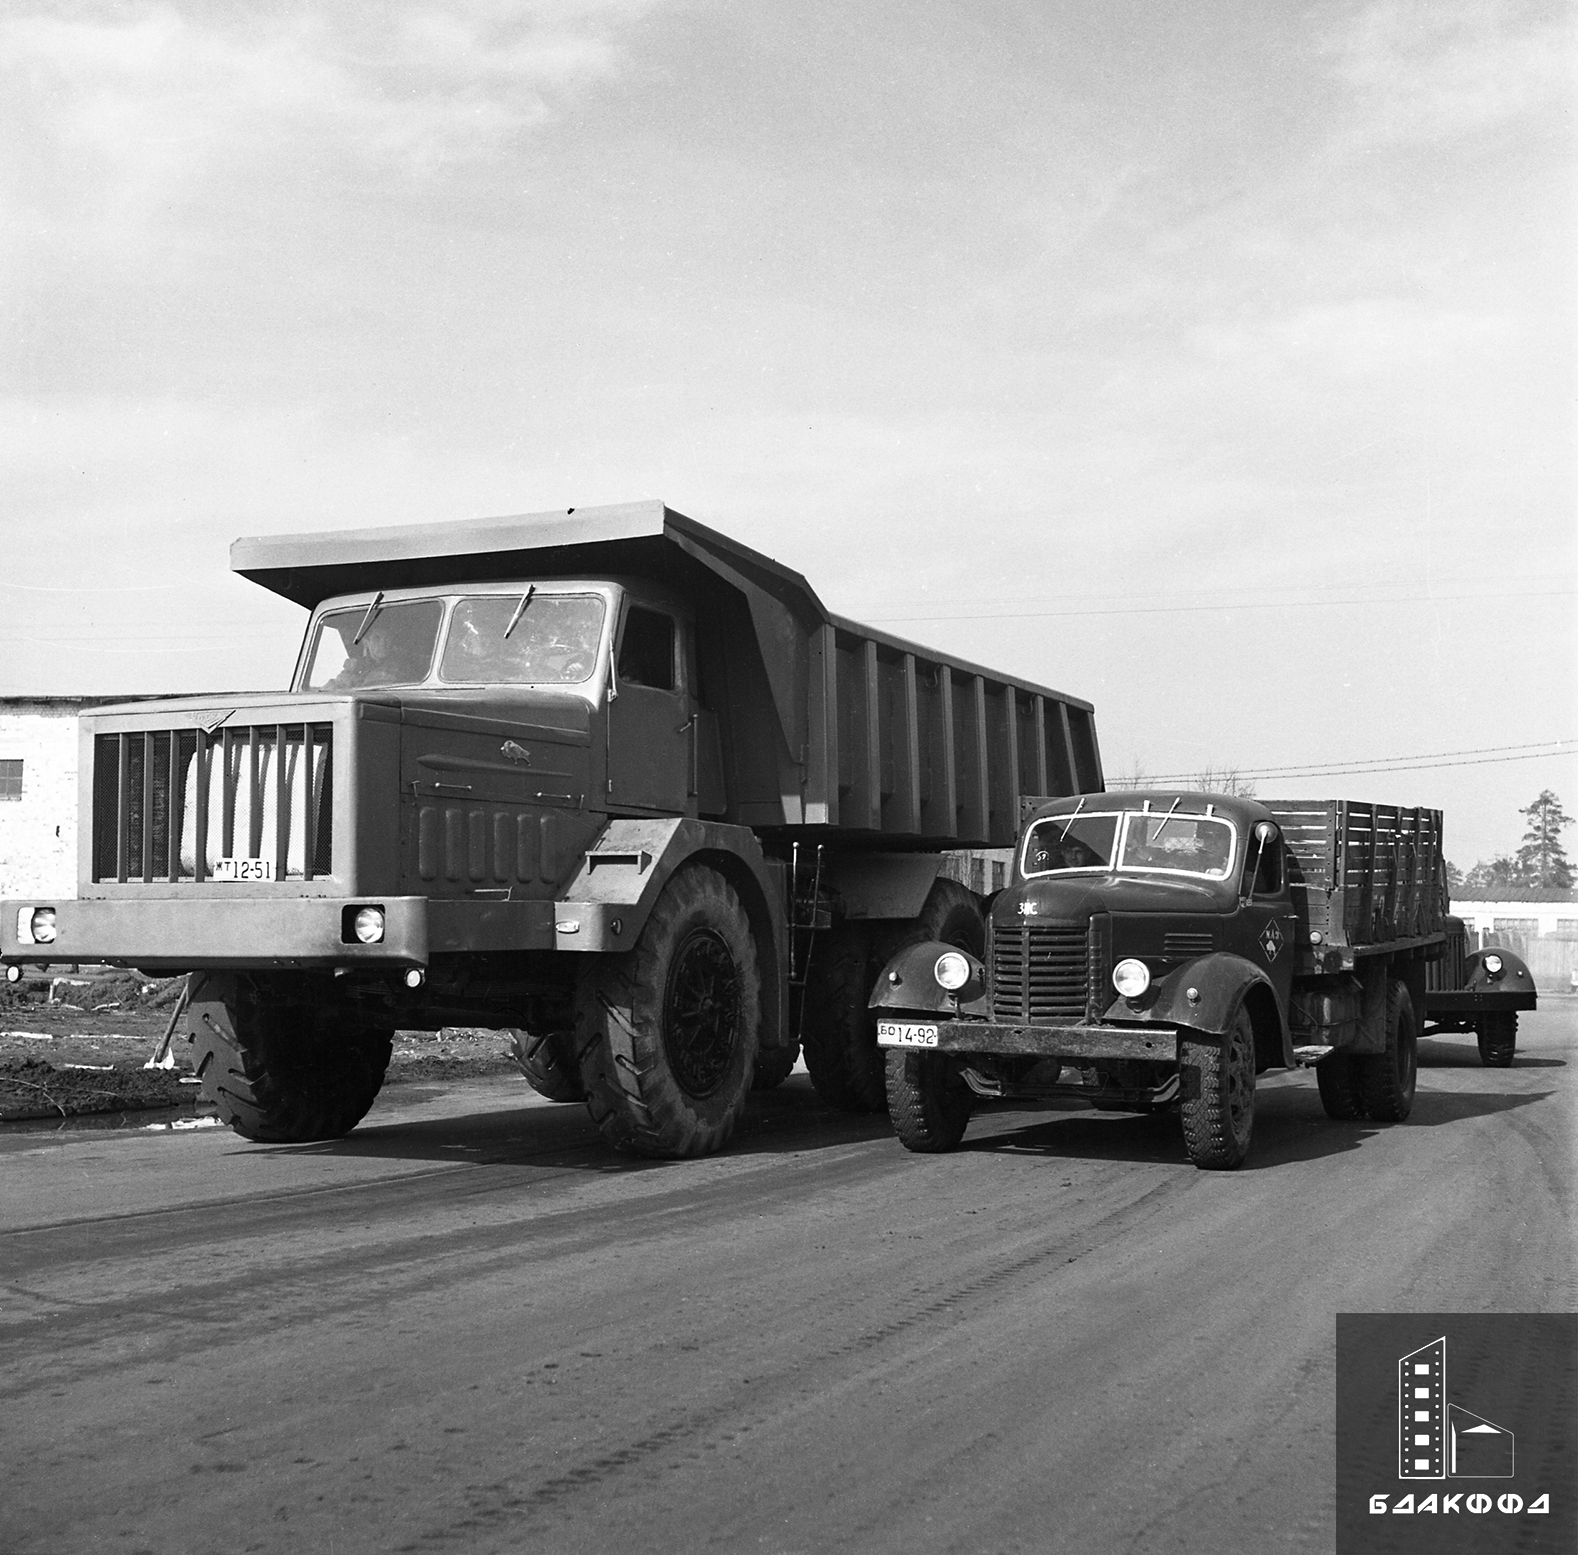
(1539, 923)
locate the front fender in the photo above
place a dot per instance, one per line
(908, 982)
(1207, 994)
(1515, 975)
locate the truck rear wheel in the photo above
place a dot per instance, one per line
(841, 1052)
(547, 1059)
(1218, 1094)
(774, 1065)
(282, 1072)
(929, 1103)
(1337, 1075)
(1498, 1038)
(666, 1034)
(1387, 1080)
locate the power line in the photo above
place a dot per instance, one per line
(1379, 766)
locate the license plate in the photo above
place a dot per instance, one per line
(237, 869)
(905, 1033)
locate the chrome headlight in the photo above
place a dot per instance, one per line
(1492, 964)
(42, 925)
(1131, 978)
(368, 925)
(952, 970)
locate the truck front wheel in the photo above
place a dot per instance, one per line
(666, 1034)
(1218, 1094)
(547, 1059)
(929, 1103)
(1498, 1038)
(1387, 1079)
(280, 1070)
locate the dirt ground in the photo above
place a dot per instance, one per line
(80, 1043)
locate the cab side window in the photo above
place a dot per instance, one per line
(646, 651)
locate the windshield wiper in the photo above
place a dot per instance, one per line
(1063, 835)
(367, 620)
(520, 610)
(1165, 819)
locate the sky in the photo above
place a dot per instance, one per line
(1213, 363)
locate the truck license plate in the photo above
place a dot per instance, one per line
(236, 869)
(905, 1033)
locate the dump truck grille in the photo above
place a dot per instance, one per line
(1039, 972)
(167, 804)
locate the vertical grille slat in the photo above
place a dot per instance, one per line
(167, 803)
(1039, 972)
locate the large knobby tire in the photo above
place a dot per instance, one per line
(280, 1072)
(1387, 1080)
(1337, 1075)
(841, 1053)
(666, 1034)
(547, 1059)
(929, 1103)
(1217, 1100)
(774, 1065)
(1498, 1038)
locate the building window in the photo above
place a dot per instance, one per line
(1567, 925)
(11, 779)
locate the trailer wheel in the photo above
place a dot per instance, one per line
(281, 1073)
(774, 1065)
(1498, 1038)
(841, 1052)
(547, 1059)
(1387, 1080)
(1217, 1098)
(1337, 1075)
(929, 1103)
(666, 1034)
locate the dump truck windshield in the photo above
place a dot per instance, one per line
(393, 648)
(552, 642)
(1143, 840)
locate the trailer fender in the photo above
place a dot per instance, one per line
(909, 982)
(606, 903)
(1206, 995)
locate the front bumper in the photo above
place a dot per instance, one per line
(178, 934)
(1477, 1001)
(1071, 1042)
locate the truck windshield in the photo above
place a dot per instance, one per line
(395, 649)
(553, 641)
(1143, 840)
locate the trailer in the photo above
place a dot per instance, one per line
(605, 778)
(1156, 950)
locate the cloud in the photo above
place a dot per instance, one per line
(169, 91)
(1420, 72)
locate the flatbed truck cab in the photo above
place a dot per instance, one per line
(1159, 949)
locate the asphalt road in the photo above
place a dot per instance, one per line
(470, 1328)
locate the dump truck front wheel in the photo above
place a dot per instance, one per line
(1498, 1038)
(282, 1072)
(1218, 1094)
(929, 1103)
(666, 1034)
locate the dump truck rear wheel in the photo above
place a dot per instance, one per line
(929, 1103)
(774, 1065)
(547, 1059)
(281, 1073)
(841, 1053)
(1218, 1095)
(1498, 1038)
(666, 1034)
(1387, 1080)
(1337, 1075)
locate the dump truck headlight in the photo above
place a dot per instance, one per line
(952, 970)
(1492, 964)
(1131, 978)
(42, 925)
(368, 925)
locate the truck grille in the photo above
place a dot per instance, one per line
(168, 803)
(1039, 972)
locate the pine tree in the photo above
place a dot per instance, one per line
(1483, 881)
(1542, 861)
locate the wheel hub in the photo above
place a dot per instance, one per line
(701, 1012)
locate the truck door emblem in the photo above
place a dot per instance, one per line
(1029, 909)
(514, 752)
(1271, 940)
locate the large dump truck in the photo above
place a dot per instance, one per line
(603, 778)
(1158, 950)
